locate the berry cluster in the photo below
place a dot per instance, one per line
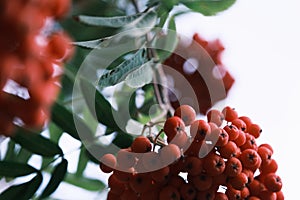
(216, 159)
(30, 54)
(200, 74)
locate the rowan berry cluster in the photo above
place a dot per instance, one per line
(200, 72)
(30, 54)
(215, 159)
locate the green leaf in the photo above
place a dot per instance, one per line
(56, 178)
(55, 132)
(119, 73)
(36, 143)
(15, 169)
(23, 155)
(140, 76)
(70, 123)
(98, 105)
(123, 140)
(84, 182)
(82, 162)
(10, 152)
(23, 191)
(142, 24)
(92, 44)
(208, 7)
(115, 22)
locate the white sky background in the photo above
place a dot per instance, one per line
(261, 39)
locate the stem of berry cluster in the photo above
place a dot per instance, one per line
(159, 78)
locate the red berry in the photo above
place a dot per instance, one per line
(176, 181)
(187, 191)
(247, 121)
(202, 182)
(250, 142)
(215, 116)
(108, 163)
(115, 185)
(233, 167)
(180, 139)
(265, 154)
(141, 144)
(255, 130)
(219, 137)
(169, 192)
(233, 132)
(268, 146)
(193, 165)
(220, 196)
(186, 113)
(229, 150)
(268, 195)
(129, 194)
(213, 164)
(269, 167)
(125, 158)
(239, 181)
(172, 126)
(141, 182)
(256, 187)
(233, 194)
(200, 129)
(279, 195)
(151, 161)
(124, 176)
(169, 154)
(240, 124)
(229, 114)
(241, 139)
(273, 182)
(250, 159)
(161, 175)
